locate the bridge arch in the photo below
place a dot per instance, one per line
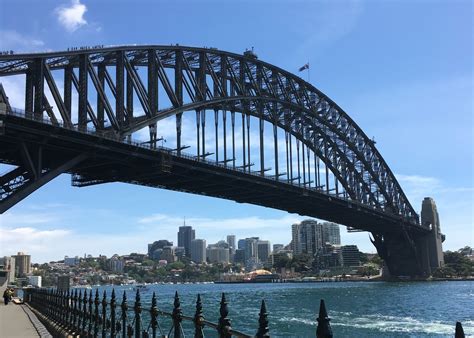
(199, 79)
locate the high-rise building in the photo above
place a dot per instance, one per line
(239, 256)
(331, 233)
(350, 255)
(263, 251)
(160, 244)
(168, 254)
(23, 264)
(241, 244)
(307, 237)
(198, 250)
(217, 254)
(251, 248)
(185, 235)
(7, 265)
(231, 242)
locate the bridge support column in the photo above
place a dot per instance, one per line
(434, 240)
(407, 253)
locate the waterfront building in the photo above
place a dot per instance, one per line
(198, 250)
(350, 255)
(22, 264)
(185, 235)
(35, 281)
(331, 233)
(7, 266)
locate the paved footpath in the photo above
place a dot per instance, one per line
(14, 320)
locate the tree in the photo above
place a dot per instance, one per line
(460, 264)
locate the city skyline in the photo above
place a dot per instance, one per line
(391, 94)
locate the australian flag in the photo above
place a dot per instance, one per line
(306, 66)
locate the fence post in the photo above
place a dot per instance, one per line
(96, 313)
(154, 315)
(177, 316)
(459, 331)
(124, 308)
(84, 313)
(90, 314)
(112, 314)
(138, 309)
(198, 319)
(224, 323)
(324, 329)
(104, 314)
(263, 321)
(80, 314)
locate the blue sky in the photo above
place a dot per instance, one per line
(401, 69)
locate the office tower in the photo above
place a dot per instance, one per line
(251, 248)
(7, 264)
(350, 255)
(241, 244)
(263, 251)
(217, 254)
(198, 250)
(331, 233)
(160, 244)
(23, 264)
(231, 242)
(185, 235)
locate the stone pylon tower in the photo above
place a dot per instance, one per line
(430, 218)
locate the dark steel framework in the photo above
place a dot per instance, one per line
(314, 161)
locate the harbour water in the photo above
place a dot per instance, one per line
(356, 309)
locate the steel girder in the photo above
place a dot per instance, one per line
(211, 80)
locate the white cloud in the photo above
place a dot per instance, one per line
(18, 42)
(72, 17)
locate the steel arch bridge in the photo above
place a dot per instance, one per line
(268, 138)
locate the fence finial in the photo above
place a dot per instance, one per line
(459, 331)
(198, 319)
(324, 329)
(224, 322)
(263, 321)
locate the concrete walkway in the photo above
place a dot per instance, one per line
(14, 321)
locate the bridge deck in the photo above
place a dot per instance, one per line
(113, 161)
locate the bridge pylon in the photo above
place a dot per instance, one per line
(411, 254)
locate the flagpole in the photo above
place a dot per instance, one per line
(308, 71)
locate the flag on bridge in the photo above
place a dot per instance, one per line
(306, 66)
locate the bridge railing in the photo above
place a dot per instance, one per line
(110, 135)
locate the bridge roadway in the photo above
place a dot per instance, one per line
(110, 160)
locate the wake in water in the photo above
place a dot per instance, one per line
(388, 324)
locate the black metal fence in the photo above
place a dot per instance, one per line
(88, 314)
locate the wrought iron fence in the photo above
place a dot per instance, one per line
(88, 314)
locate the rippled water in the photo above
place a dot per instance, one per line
(361, 309)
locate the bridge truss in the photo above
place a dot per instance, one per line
(214, 108)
